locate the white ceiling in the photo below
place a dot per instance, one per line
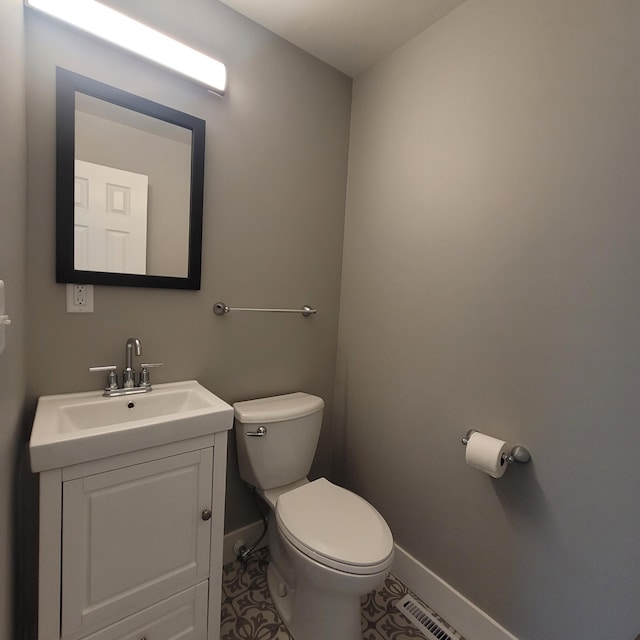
(350, 35)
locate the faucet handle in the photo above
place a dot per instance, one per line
(144, 373)
(112, 381)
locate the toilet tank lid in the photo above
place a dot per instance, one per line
(277, 408)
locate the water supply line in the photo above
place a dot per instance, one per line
(244, 552)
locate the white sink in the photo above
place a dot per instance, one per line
(79, 427)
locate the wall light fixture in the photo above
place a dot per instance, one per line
(117, 28)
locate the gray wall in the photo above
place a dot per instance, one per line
(276, 160)
(491, 280)
(12, 271)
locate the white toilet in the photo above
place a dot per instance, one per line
(328, 546)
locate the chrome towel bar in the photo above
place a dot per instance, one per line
(220, 309)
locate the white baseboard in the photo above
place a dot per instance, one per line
(248, 535)
(460, 613)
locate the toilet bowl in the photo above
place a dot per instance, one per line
(328, 546)
(339, 548)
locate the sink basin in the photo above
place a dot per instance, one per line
(79, 427)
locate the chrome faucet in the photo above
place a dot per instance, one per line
(128, 375)
(133, 347)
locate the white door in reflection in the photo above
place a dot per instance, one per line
(110, 230)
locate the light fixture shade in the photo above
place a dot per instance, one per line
(116, 28)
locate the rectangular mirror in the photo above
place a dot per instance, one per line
(130, 182)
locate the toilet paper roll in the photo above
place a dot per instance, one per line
(486, 453)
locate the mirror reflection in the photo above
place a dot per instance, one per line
(137, 170)
(130, 181)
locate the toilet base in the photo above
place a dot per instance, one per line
(281, 594)
(312, 614)
(313, 600)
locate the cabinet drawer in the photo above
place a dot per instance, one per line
(133, 536)
(181, 617)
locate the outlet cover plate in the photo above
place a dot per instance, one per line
(79, 298)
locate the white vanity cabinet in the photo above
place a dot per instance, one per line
(131, 545)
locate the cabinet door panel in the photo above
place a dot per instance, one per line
(133, 536)
(181, 617)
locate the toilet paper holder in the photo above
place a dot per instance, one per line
(518, 452)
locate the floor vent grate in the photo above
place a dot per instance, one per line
(422, 619)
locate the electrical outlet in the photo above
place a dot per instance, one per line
(79, 298)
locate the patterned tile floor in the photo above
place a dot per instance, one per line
(248, 612)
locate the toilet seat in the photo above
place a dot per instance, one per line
(335, 527)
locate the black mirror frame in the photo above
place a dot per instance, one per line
(67, 84)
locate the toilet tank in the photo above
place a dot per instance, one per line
(285, 452)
